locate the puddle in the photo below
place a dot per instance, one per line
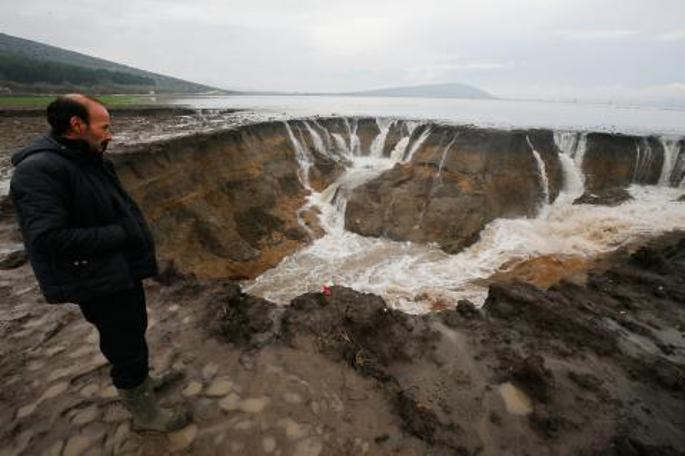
(670, 336)
(515, 400)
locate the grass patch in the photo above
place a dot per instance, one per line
(41, 101)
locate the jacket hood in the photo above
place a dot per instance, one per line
(47, 143)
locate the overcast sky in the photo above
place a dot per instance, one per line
(549, 49)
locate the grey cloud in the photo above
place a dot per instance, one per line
(523, 48)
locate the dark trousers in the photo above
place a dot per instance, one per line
(121, 320)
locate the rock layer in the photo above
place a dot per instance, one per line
(230, 204)
(224, 204)
(614, 161)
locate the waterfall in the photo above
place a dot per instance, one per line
(671, 151)
(349, 136)
(544, 182)
(355, 143)
(401, 147)
(407, 274)
(341, 144)
(444, 157)
(302, 157)
(339, 204)
(332, 207)
(678, 174)
(305, 162)
(644, 157)
(579, 154)
(332, 201)
(573, 185)
(399, 150)
(419, 141)
(316, 139)
(326, 134)
(637, 162)
(378, 143)
(572, 146)
(567, 142)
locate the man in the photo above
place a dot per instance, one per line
(89, 244)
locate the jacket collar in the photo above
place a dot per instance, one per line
(76, 150)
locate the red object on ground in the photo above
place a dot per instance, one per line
(326, 290)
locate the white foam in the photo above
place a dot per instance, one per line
(573, 184)
(542, 172)
(572, 144)
(378, 143)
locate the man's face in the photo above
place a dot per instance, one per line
(97, 132)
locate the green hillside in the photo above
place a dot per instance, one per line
(29, 67)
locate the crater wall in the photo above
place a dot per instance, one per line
(234, 203)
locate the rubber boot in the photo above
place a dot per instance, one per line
(147, 414)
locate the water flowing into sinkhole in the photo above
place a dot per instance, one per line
(417, 278)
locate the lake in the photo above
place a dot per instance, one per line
(491, 113)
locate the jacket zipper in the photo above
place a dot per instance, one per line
(128, 203)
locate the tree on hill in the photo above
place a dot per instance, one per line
(26, 70)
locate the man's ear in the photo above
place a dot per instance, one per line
(76, 124)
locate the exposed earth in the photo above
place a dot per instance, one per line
(131, 126)
(593, 364)
(576, 369)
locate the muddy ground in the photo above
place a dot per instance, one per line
(579, 369)
(130, 126)
(593, 365)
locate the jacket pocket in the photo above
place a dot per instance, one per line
(87, 278)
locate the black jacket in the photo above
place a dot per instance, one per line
(84, 235)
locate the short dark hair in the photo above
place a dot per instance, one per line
(62, 109)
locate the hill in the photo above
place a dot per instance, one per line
(28, 67)
(449, 90)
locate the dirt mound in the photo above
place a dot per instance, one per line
(357, 328)
(353, 328)
(620, 339)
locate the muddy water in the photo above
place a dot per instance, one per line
(416, 278)
(419, 278)
(515, 400)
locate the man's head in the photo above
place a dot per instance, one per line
(79, 117)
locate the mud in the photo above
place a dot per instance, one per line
(603, 365)
(608, 197)
(131, 127)
(594, 368)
